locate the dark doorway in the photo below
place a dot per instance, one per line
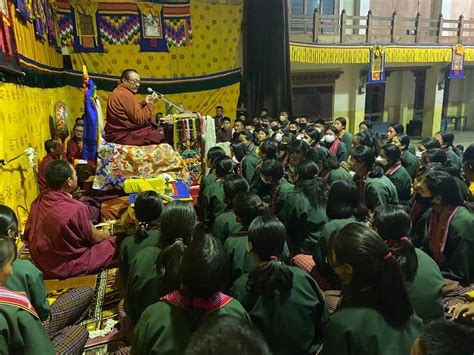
(315, 101)
(374, 102)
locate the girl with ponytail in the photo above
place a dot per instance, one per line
(374, 315)
(423, 279)
(374, 187)
(155, 270)
(247, 207)
(166, 326)
(148, 207)
(304, 211)
(446, 140)
(266, 151)
(284, 302)
(273, 176)
(214, 203)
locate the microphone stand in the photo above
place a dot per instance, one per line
(162, 97)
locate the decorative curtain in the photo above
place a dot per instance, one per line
(267, 56)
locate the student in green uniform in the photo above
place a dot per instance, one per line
(437, 155)
(212, 154)
(409, 160)
(284, 302)
(340, 123)
(272, 175)
(155, 269)
(238, 151)
(446, 139)
(226, 224)
(374, 315)
(250, 161)
(423, 279)
(375, 188)
(304, 211)
(449, 238)
(284, 153)
(335, 146)
(329, 167)
(390, 159)
(20, 325)
(344, 206)
(247, 207)
(298, 149)
(393, 130)
(468, 170)
(58, 319)
(266, 151)
(368, 138)
(214, 203)
(148, 207)
(425, 144)
(444, 337)
(166, 326)
(212, 338)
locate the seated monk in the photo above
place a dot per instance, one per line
(130, 122)
(74, 146)
(62, 240)
(54, 150)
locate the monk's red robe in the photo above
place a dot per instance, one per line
(41, 172)
(128, 122)
(59, 234)
(74, 150)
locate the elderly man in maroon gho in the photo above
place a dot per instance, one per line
(128, 121)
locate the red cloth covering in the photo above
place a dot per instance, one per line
(59, 234)
(223, 135)
(74, 150)
(41, 172)
(128, 122)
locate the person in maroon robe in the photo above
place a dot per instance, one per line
(61, 238)
(130, 122)
(74, 146)
(54, 150)
(224, 132)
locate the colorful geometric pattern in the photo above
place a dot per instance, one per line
(66, 29)
(119, 29)
(178, 32)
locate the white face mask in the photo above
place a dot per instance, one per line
(329, 138)
(278, 137)
(381, 160)
(418, 154)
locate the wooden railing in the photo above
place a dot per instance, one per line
(392, 29)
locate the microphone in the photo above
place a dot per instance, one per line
(151, 91)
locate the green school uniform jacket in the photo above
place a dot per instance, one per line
(379, 191)
(342, 152)
(249, 164)
(284, 189)
(303, 222)
(165, 329)
(207, 181)
(347, 139)
(459, 247)
(338, 175)
(410, 162)
(463, 190)
(356, 327)
(214, 203)
(145, 285)
(291, 324)
(28, 278)
(241, 261)
(321, 251)
(454, 158)
(22, 333)
(225, 225)
(130, 247)
(412, 148)
(425, 291)
(402, 181)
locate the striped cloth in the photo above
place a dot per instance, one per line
(454, 293)
(306, 263)
(61, 325)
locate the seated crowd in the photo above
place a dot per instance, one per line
(385, 223)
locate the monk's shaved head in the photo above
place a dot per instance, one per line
(127, 73)
(57, 172)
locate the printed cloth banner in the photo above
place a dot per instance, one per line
(152, 38)
(91, 138)
(457, 63)
(6, 45)
(86, 35)
(120, 29)
(377, 65)
(24, 8)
